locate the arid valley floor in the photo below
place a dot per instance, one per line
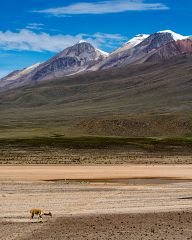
(101, 140)
(96, 202)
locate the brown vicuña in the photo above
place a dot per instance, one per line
(39, 213)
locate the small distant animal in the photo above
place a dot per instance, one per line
(39, 213)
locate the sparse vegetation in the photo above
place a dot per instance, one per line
(95, 150)
(137, 114)
(156, 143)
(142, 100)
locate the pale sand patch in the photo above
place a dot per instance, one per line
(56, 172)
(17, 198)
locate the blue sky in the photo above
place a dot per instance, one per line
(32, 31)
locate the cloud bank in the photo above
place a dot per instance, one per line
(28, 40)
(103, 7)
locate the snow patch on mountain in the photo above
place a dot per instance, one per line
(132, 42)
(99, 51)
(137, 39)
(82, 41)
(21, 73)
(175, 36)
(105, 54)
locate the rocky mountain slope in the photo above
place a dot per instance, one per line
(132, 42)
(72, 60)
(83, 57)
(20, 73)
(75, 59)
(157, 47)
(147, 99)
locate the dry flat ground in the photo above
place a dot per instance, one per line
(149, 202)
(161, 226)
(62, 172)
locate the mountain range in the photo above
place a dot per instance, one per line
(83, 57)
(142, 88)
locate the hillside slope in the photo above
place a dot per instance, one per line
(137, 100)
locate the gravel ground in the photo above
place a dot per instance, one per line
(140, 208)
(169, 226)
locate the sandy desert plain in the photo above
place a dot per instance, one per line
(121, 200)
(108, 188)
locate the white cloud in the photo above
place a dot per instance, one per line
(35, 26)
(31, 41)
(102, 7)
(105, 40)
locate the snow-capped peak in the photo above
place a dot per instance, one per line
(106, 54)
(97, 49)
(176, 36)
(132, 42)
(82, 41)
(137, 39)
